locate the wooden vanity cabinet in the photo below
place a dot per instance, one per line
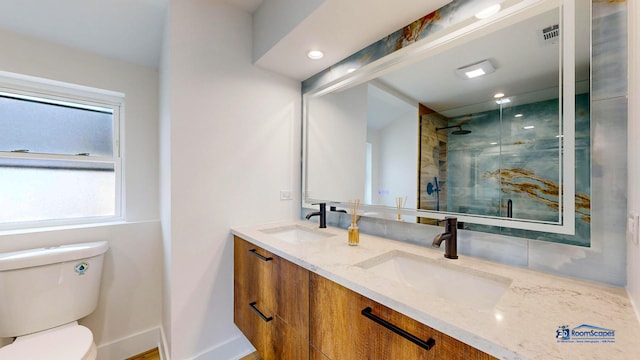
(287, 312)
(271, 302)
(339, 330)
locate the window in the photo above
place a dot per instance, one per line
(60, 161)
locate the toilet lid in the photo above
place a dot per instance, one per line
(66, 343)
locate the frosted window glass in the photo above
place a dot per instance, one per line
(33, 194)
(41, 127)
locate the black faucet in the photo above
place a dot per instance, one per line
(450, 235)
(334, 209)
(322, 213)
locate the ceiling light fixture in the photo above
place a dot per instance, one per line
(498, 95)
(315, 54)
(486, 12)
(474, 70)
(529, 127)
(518, 115)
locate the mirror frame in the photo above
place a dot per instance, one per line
(447, 38)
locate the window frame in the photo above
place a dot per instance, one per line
(29, 86)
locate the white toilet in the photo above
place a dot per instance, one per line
(43, 292)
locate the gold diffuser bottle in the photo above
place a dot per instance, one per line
(400, 202)
(354, 231)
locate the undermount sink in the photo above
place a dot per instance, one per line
(464, 286)
(296, 234)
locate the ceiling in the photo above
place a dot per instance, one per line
(132, 30)
(527, 68)
(340, 28)
(523, 64)
(247, 5)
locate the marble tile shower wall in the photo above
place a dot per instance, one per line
(527, 161)
(605, 259)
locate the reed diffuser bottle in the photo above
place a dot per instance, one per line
(354, 231)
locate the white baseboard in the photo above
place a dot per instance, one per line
(133, 345)
(164, 349)
(231, 349)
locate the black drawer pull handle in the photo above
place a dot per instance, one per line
(263, 258)
(414, 339)
(254, 308)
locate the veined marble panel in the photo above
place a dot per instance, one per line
(609, 49)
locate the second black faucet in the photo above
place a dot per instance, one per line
(322, 213)
(450, 235)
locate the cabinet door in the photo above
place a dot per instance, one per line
(399, 347)
(271, 302)
(457, 350)
(291, 285)
(315, 354)
(285, 343)
(339, 330)
(253, 293)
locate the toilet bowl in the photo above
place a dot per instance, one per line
(66, 342)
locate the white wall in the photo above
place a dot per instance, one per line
(398, 155)
(373, 138)
(336, 168)
(165, 181)
(130, 300)
(270, 26)
(633, 204)
(234, 144)
(34, 57)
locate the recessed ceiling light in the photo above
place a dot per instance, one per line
(474, 70)
(493, 143)
(350, 70)
(503, 101)
(529, 127)
(485, 13)
(315, 54)
(498, 95)
(517, 115)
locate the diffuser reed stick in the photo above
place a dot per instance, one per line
(354, 231)
(400, 202)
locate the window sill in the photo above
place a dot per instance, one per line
(43, 229)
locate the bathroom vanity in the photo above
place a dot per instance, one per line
(301, 292)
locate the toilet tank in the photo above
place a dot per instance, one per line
(47, 287)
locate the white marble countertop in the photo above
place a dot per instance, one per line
(523, 323)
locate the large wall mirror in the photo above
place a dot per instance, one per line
(487, 120)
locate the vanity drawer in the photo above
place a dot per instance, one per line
(271, 302)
